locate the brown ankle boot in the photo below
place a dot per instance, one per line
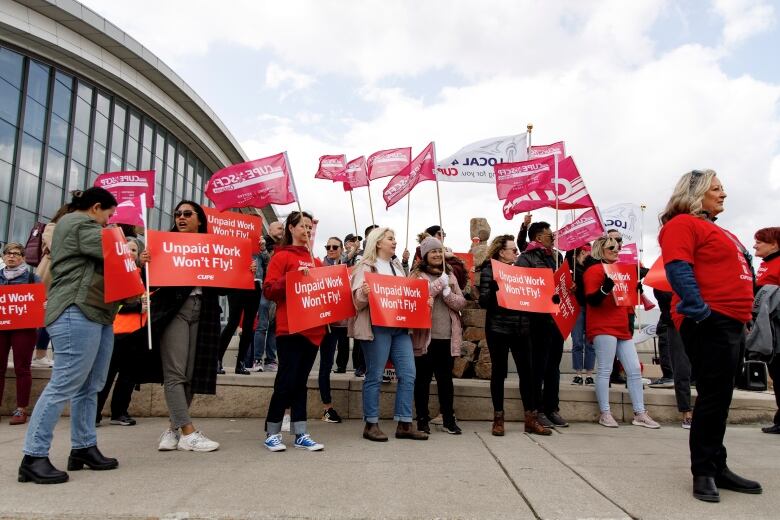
(405, 430)
(532, 425)
(498, 424)
(373, 433)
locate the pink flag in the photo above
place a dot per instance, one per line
(628, 254)
(524, 175)
(584, 229)
(388, 162)
(130, 211)
(128, 185)
(332, 168)
(572, 193)
(356, 174)
(558, 149)
(252, 184)
(420, 169)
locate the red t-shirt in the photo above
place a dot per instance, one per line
(607, 318)
(769, 271)
(721, 270)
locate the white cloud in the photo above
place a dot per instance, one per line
(743, 19)
(277, 77)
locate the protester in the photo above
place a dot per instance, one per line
(522, 235)
(185, 330)
(767, 248)
(508, 331)
(335, 338)
(607, 326)
(583, 355)
(358, 359)
(713, 286)
(680, 364)
(121, 357)
(546, 339)
(80, 325)
(22, 341)
(382, 343)
(435, 348)
(265, 333)
(351, 246)
(298, 351)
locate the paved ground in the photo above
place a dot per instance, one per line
(585, 471)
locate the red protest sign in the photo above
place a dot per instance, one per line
(395, 301)
(624, 276)
(524, 288)
(468, 259)
(21, 306)
(128, 185)
(232, 224)
(321, 297)
(122, 278)
(199, 259)
(656, 276)
(569, 308)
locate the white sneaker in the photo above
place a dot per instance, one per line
(644, 420)
(607, 420)
(43, 362)
(196, 441)
(286, 423)
(168, 440)
(274, 442)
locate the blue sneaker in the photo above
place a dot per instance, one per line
(274, 443)
(305, 442)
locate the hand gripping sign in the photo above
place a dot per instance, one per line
(395, 301)
(524, 288)
(122, 278)
(624, 276)
(232, 224)
(318, 298)
(569, 308)
(199, 259)
(21, 306)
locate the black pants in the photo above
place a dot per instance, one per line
(342, 348)
(437, 361)
(296, 356)
(240, 302)
(123, 390)
(774, 373)
(664, 349)
(336, 337)
(713, 346)
(681, 369)
(358, 361)
(547, 347)
(530, 361)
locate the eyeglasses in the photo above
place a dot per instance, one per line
(332, 248)
(12, 253)
(187, 213)
(612, 248)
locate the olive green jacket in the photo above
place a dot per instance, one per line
(77, 270)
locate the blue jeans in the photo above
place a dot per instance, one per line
(580, 346)
(606, 348)
(394, 344)
(83, 354)
(265, 335)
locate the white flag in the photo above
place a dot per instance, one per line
(474, 162)
(626, 218)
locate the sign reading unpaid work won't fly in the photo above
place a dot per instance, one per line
(524, 288)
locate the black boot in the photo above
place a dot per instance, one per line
(730, 480)
(450, 425)
(775, 428)
(90, 457)
(241, 369)
(40, 470)
(704, 489)
(422, 424)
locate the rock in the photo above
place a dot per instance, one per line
(484, 352)
(472, 304)
(474, 334)
(480, 228)
(480, 254)
(467, 350)
(483, 370)
(474, 317)
(462, 368)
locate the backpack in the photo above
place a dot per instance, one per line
(33, 250)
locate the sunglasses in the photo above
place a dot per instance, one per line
(187, 213)
(332, 248)
(612, 248)
(619, 240)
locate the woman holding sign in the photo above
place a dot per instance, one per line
(296, 352)
(607, 326)
(21, 341)
(80, 324)
(435, 348)
(382, 343)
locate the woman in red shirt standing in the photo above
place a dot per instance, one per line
(607, 326)
(296, 352)
(713, 297)
(767, 248)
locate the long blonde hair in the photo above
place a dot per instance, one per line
(372, 240)
(688, 195)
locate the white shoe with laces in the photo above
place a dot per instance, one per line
(43, 362)
(196, 441)
(168, 440)
(644, 420)
(606, 419)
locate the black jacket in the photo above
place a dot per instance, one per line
(538, 259)
(499, 320)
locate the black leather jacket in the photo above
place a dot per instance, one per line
(499, 320)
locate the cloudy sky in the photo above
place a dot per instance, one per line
(641, 92)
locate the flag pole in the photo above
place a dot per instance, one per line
(408, 206)
(354, 218)
(530, 128)
(370, 204)
(146, 269)
(438, 195)
(555, 187)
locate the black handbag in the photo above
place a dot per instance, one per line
(753, 376)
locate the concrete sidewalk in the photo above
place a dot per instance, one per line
(584, 471)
